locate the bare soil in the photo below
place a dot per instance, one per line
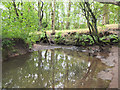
(112, 73)
(19, 48)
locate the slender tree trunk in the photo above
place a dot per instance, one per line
(68, 22)
(106, 14)
(58, 16)
(63, 15)
(74, 17)
(40, 13)
(53, 18)
(51, 15)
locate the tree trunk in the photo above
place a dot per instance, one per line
(63, 15)
(40, 13)
(68, 22)
(114, 2)
(58, 16)
(91, 21)
(51, 15)
(106, 14)
(53, 19)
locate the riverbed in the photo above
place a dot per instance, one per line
(62, 67)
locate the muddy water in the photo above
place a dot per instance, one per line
(54, 68)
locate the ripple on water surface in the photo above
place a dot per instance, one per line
(60, 68)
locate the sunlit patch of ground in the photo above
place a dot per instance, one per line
(100, 29)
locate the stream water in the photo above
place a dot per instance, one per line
(53, 68)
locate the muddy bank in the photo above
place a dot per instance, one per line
(112, 73)
(13, 47)
(114, 82)
(78, 39)
(37, 47)
(16, 46)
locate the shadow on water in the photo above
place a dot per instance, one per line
(53, 68)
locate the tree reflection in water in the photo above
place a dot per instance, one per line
(54, 68)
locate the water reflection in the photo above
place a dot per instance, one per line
(53, 68)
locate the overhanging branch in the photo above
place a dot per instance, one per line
(114, 2)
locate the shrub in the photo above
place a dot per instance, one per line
(59, 39)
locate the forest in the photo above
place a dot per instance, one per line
(29, 26)
(25, 20)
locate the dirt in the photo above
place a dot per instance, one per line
(19, 47)
(111, 74)
(37, 47)
(114, 82)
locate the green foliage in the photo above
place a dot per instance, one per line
(58, 35)
(88, 40)
(113, 16)
(48, 27)
(77, 36)
(58, 38)
(84, 39)
(44, 24)
(7, 43)
(103, 26)
(21, 26)
(25, 25)
(83, 43)
(105, 39)
(82, 25)
(114, 37)
(42, 35)
(32, 38)
(110, 39)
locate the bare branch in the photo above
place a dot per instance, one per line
(109, 2)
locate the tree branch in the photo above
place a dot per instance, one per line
(15, 8)
(41, 11)
(109, 2)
